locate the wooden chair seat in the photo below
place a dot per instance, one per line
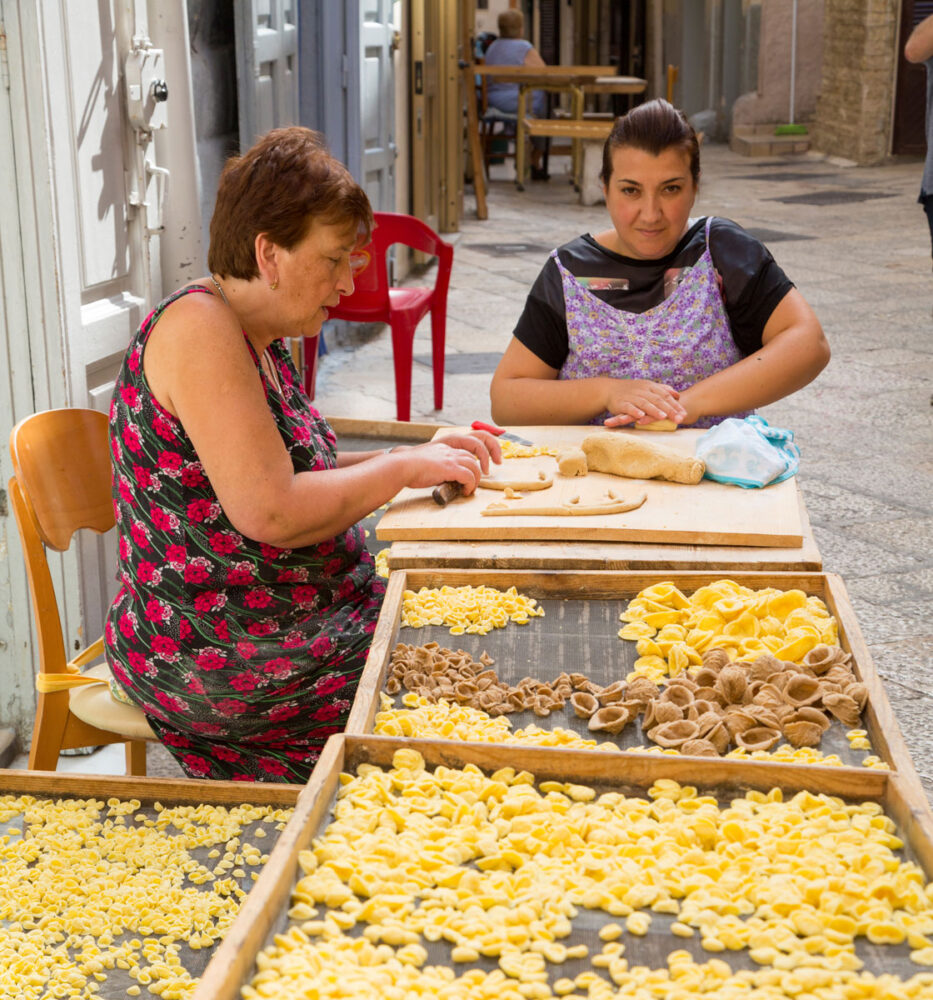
(94, 704)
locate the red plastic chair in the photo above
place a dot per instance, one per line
(373, 301)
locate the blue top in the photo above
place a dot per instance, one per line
(504, 96)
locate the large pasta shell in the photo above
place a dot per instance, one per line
(673, 734)
(611, 719)
(642, 689)
(465, 691)
(706, 722)
(665, 711)
(716, 658)
(844, 708)
(732, 683)
(802, 690)
(710, 695)
(810, 713)
(719, 737)
(705, 707)
(764, 716)
(611, 693)
(839, 673)
(858, 693)
(763, 666)
(677, 694)
(699, 748)
(584, 704)
(801, 733)
(822, 657)
(738, 720)
(706, 677)
(758, 738)
(768, 695)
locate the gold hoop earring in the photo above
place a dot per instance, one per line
(274, 285)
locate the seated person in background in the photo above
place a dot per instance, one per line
(510, 49)
(661, 317)
(248, 600)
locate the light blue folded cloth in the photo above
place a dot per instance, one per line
(748, 452)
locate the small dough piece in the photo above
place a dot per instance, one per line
(622, 454)
(541, 483)
(571, 462)
(656, 425)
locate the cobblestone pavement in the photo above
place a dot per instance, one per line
(856, 243)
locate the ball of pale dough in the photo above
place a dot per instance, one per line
(571, 462)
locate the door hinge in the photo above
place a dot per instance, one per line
(4, 65)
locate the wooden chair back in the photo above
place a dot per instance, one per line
(60, 484)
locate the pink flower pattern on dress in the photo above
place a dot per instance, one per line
(236, 650)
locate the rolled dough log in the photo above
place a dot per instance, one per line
(571, 462)
(541, 483)
(656, 425)
(611, 505)
(637, 458)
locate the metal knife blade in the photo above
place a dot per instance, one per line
(479, 425)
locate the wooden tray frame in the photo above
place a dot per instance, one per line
(880, 722)
(265, 906)
(169, 791)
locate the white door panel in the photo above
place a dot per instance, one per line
(267, 66)
(92, 115)
(377, 104)
(87, 190)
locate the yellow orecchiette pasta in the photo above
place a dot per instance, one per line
(496, 868)
(673, 630)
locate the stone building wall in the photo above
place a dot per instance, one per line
(770, 102)
(854, 110)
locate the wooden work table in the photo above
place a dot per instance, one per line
(575, 80)
(598, 554)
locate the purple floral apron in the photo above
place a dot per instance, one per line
(680, 341)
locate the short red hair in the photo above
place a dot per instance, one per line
(280, 186)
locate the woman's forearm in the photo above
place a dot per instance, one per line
(782, 366)
(338, 498)
(520, 400)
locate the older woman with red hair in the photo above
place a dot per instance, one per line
(247, 599)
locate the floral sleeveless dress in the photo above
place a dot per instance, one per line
(244, 657)
(682, 340)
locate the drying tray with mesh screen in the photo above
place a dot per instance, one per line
(579, 633)
(122, 868)
(264, 916)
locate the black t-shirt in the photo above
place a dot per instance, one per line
(752, 285)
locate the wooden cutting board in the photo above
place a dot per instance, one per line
(706, 514)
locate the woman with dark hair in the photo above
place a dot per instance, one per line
(247, 599)
(661, 317)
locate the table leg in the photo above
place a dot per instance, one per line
(576, 158)
(475, 144)
(520, 139)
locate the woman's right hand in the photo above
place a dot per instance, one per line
(636, 401)
(465, 460)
